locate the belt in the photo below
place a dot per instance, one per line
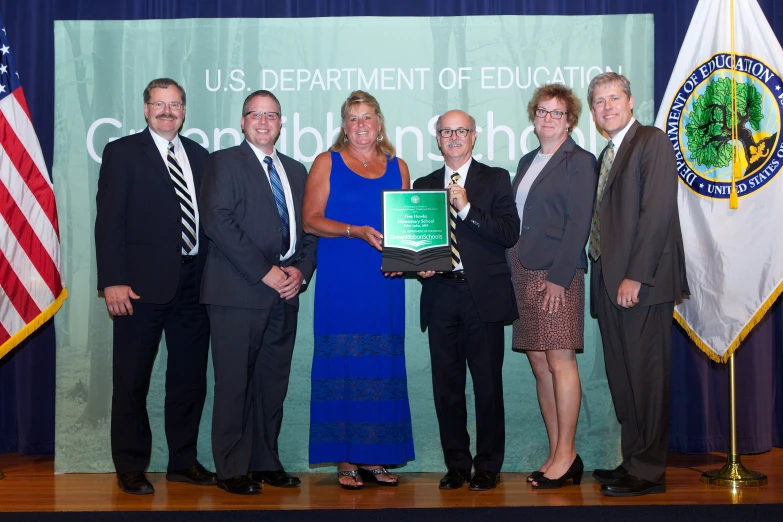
(188, 259)
(458, 275)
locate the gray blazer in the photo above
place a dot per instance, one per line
(558, 211)
(239, 216)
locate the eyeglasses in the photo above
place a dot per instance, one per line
(556, 114)
(446, 133)
(257, 115)
(174, 106)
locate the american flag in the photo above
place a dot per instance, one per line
(31, 283)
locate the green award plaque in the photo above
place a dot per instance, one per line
(415, 231)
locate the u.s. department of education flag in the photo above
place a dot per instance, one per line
(31, 284)
(734, 256)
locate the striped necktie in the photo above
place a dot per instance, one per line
(189, 234)
(455, 259)
(595, 228)
(279, 194)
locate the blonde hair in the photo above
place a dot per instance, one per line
(608, 78)
(383, 147)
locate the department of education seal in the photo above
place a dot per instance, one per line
(699, 123)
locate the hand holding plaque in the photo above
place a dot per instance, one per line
(415, 231)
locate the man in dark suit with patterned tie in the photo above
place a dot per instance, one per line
(465, 309)
(150, 251)
(259, 259)
(638, 274)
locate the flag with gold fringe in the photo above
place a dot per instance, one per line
(31, 283)
(722, 114)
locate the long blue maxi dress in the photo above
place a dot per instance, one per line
(359, 409)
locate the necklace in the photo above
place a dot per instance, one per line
(364, 163)
(545, 156)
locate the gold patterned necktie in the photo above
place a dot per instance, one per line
(595, 228)
(455, 259)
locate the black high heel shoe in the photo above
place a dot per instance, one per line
(574, 472)
(536, 475)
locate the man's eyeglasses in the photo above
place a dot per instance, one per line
(257, 115)
(556, 114)
(446, 133)
(174, 106)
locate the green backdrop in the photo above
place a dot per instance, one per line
(417, 68)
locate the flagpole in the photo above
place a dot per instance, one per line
(733, 474)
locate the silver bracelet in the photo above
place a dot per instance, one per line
(348, 232)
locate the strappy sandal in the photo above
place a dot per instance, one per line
(349, 473)
(371, 475)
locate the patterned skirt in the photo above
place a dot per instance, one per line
(537, 329)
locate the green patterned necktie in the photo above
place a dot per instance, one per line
(595, 229)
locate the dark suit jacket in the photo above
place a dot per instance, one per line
(491, 226)
(138, 224)
(240, 219)
(640, 225)
(558, 211)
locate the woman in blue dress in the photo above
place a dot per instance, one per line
(359, 411)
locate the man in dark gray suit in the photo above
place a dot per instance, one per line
(258, 260)
(638, 274)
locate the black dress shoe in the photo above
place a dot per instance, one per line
(455, 478)
(196, 474)
(631, 486)
(574, 472)
(610, 476)
(278, 478)
(135, 483)
(240, 485)
(483, 480)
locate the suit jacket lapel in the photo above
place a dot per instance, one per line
(258, 173)
(153, 154)
(618, 158)
(473, 182)
(557, 158)
(522, 171)
(435, 180)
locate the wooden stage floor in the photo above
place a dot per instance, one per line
(30, 485)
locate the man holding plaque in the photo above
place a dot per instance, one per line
(465, 309)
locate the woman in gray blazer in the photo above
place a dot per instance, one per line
(554, 189)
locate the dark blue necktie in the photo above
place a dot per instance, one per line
(279, 194)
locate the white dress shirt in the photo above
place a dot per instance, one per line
(463, 175)
(289, 198)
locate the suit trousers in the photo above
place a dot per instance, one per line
(637, 354)
(251, 354)
(458, 337)
(135, 346)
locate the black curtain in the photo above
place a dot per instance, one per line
(699, 386)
